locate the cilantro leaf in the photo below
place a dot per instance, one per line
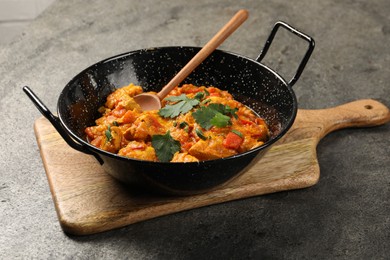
(199, 95)
(183, 105)
(204, 102)
(203, 115)
(165, 146)
(108, 133)
(220, 120)
(214, 115)
(176, 98)
(226, 110)
(200, 134)
(183, 124)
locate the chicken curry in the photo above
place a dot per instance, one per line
(194, 124)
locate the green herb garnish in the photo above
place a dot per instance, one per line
(220, 120)
(204, 102)
(214, 115)
(181, 105)
(108, 134)
(183, 124)
(238, 133)
(165, 146)
(200, 95)
(200, 134)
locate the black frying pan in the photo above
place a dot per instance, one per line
(250, 82)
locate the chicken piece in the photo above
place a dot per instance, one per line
(129, 103)
(122, 97)
(210, 148)
(180, 135)
(259, 132)
(145, 126)
(138, 150)
(106, 120)
(183, 157)
(108, 138)
(128, 117)
(187, 118)
(95, 131)
(132, 90)
(249, 143)
(113, 139)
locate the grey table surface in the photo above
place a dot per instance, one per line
(345, 216)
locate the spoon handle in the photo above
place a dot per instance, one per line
(217, 40)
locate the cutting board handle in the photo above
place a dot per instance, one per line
(360, 113)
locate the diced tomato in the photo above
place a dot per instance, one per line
(232, 141)
(129, 117)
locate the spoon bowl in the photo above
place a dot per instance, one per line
(148, 101)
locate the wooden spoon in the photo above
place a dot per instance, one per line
(149, 101)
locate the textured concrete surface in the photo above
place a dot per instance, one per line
(345, 216)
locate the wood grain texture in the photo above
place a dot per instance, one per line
(88, 200)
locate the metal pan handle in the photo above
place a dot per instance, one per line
(299, 34)
(55, 121)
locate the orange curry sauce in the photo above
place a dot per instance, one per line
(126, 130)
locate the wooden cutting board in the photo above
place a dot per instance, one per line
(88, 200)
